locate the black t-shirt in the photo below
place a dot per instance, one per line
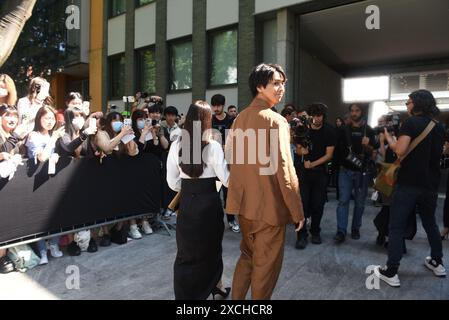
(390, 156)
(354, 136)
(421, 168)
(222, 126)
(321, 139)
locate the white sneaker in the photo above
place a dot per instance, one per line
(438, 269)
(234, 225)
(55, 252)
(146, 228)
(392, 281)
(134, 232)
(44, 258)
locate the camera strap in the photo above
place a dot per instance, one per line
(419, 139)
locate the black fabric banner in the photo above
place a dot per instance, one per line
(82, 191)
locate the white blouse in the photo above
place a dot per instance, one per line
(216, 165)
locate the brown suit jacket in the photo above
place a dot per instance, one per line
(274, 197)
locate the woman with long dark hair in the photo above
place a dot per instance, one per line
(193, 166)
(41, 147)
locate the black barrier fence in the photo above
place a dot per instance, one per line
(82, 192)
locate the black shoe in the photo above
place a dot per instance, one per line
(73, 249)
(355, 234)
(301, 244)
(92, 248)
(119, 237)
(223, 294)
(340, 237)
(105, 241)
(6, 265)
(380, 240)
(316, 239)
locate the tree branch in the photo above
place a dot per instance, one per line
(13, 16)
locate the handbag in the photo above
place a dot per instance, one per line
(174, 204)
(23, 257)
(388, 175)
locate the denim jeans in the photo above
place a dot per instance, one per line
(41, 244)
(349, 181)
(405, 200)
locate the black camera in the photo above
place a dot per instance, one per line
(301, 127)
(154, 122)
(392, 123)
(354, 160)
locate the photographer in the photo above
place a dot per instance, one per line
(417, 183)
(384, 155)
(315, 148)
(356, 142)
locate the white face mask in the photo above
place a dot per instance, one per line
(78, 123)
(3, 93)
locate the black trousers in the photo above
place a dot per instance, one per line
(405, 200)
(229, 217)
(313, 185)
(446, 206)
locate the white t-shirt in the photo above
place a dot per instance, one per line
(38, 143)
(27, 113)
(216, 165)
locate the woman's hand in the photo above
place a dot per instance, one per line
(58, 133)
(126, 130)
(54, 158)
(5, 156)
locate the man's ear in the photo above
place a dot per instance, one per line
(260, 88)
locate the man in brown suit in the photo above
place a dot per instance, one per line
(263, 186)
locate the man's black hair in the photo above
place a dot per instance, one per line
(317, 109)
(262, 75)
(171, 110)
(218, 100)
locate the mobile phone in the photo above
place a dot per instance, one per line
(92, 123)
(127, 122)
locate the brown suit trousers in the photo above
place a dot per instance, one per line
(260, 263)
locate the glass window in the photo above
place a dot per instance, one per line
(143, 2)
(223, 60)
(117, 77)
(146, 70)
(117, 7)
(269, 39)
(181, 66)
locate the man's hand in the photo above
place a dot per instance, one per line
(300, 225)
(308, 165)
(446, 148)
(365, 141)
